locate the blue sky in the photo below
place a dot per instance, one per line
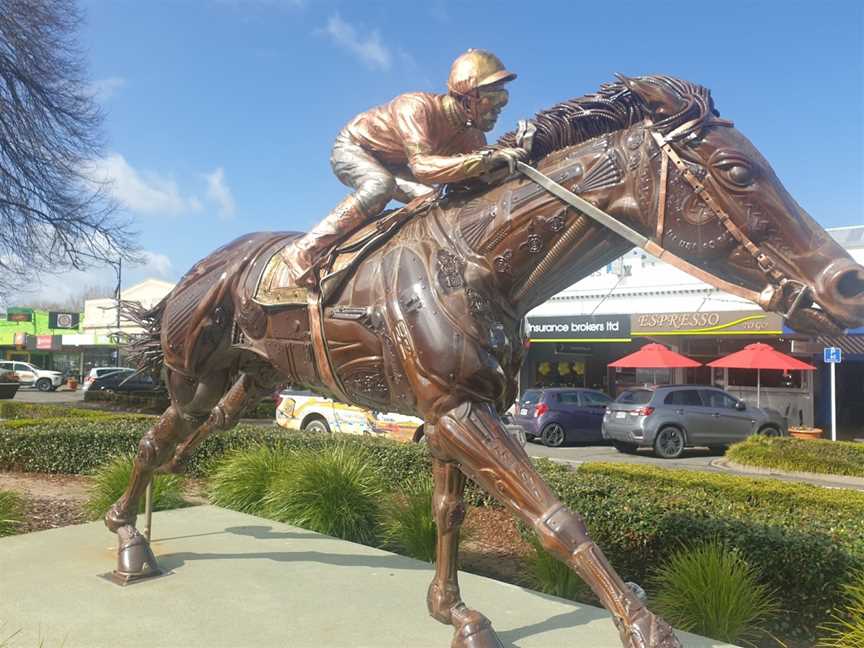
(221, 113)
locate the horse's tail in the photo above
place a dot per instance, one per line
(144, 350)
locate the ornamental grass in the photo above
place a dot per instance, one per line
(846, 630)
(241, 479)
(334, 491)
(800, 455)
(407, 525)
(11, 512)
(711, 590)
(111, 479)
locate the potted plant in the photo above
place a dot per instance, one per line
(804, 432)
(9, 384)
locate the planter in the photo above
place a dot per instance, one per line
(8, 390)
(805, 432)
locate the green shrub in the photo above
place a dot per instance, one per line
(111, 480)
(847, 628)
(711, 590)
(800, 455)
(407, 524)
(552, 576)
(334, 491)
(241, 479)
(11, 512)
(266, 409)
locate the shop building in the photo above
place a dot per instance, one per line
(73, 343)
(637, 299)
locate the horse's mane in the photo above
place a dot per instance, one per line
(613, 107)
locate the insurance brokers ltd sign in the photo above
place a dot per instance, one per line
(583, 328)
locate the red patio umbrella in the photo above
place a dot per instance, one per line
(760, 356)
(655, 356)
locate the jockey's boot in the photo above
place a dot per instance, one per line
(303, 255)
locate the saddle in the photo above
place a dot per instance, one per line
(339, 263)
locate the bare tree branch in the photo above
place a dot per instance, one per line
(53, 217)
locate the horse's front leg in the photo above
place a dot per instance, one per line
(444, 600)
(473, 436)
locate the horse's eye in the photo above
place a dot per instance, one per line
(740, 175)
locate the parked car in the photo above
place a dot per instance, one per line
(125, 380)
(562, 415)
(98, 372)
(672, 417)
(306, 411)
(29, 376)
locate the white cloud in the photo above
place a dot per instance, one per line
(145, 192)
(104, 89)
(156, 262)
(219, 192)
(368, 47)
(72, 283)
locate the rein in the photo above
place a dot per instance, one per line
(777, 281)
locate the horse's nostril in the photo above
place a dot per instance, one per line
(850, 284)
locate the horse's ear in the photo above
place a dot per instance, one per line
(660, 99)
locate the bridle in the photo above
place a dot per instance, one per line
(779, 286)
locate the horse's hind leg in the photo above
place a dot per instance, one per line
(191, 402)
(473, 435)
(246, 391)
(444, 599)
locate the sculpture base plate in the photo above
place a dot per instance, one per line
(241, 581)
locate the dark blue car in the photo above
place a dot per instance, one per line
(562, 415)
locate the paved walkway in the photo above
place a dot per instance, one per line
(239, 580)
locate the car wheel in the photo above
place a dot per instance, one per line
(553, 435)
(669, 443)
(317, 426)
(769, 431)
(43, 385)
(625, 448)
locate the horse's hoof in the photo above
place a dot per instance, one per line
(648, 630)
(135, 559)
(473, 630)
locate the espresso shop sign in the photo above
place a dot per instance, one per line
(581, 328)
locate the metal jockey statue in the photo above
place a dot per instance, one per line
(396, 151)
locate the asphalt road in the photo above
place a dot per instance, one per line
(694, 459)
(32, 395)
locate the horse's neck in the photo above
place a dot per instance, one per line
(532, 243)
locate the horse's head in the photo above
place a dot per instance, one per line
(702, 192)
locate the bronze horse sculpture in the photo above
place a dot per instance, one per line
(423, 314)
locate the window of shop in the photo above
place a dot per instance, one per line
(67, 363)
(99, 357)
(768, 378)
(560, 373)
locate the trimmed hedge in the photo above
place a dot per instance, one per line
(800, 455)
(16, 410)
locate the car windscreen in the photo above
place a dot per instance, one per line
(530, 398)
(635, 397)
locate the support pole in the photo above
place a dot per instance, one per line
(758, 387)
(148, 509)
(833, 405)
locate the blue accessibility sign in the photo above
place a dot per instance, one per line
(832, 355)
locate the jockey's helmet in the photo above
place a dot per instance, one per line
(476, 69)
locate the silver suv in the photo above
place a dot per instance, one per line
(671, 417)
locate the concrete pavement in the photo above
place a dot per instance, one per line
(239, 580)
